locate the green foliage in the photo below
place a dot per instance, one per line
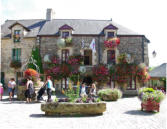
(36, 56)
(146, 94)
(56, 99)
(70, 93)
(156, 96)
(146, 90)
(74, 78)
(113, 93)
(68, 40)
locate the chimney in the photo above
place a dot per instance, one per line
(50, 14)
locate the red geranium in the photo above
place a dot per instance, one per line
(112, 43)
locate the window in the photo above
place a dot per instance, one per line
(65, 55)
(110, 34)
(65, 34)
(88, 57)
(111, 57)
(16, 36)
(132, 84)
(16, 54)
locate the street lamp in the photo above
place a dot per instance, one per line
(154, 54)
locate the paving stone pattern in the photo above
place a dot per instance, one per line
(122, 114)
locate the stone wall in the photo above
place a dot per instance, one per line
(26, 45)
(130, 45)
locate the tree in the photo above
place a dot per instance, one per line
(37, 58)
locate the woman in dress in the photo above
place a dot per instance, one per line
(29, 90)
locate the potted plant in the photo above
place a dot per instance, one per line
(73, 105)
(110, 94)
(150, 99)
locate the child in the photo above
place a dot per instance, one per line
(1, 91)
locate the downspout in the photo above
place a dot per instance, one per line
(143, 49)
(99, 51)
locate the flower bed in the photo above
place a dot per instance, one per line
(110, 94)
(150, 98)
(67, 108)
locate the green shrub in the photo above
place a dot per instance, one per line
(110, 94)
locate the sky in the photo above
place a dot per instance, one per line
(147, 17)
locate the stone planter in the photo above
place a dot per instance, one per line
(21, 93)
(67, 108)
(150, 106)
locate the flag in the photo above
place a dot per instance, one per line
(92, 45)
(82, 44)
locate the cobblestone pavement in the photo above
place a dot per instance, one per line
(123, 114)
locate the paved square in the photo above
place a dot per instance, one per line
(122, 114)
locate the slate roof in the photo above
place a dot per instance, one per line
(80, 26)
(159, 71)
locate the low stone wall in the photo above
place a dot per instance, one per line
(65, 108)
(21, 93)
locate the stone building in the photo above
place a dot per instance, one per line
(45, 34)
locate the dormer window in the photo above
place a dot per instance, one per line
(110, 34)
(66, 31)
(65, 34)
(16, 36)
(110, 31)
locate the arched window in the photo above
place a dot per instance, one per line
(111, 57)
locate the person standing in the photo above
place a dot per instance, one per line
(1, 91)
(49, 87)
(11, 85)
(29, 90)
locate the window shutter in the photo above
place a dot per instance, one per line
(13, 54)
(19, 54)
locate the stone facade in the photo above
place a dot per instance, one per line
(130, 45)
(7, 44)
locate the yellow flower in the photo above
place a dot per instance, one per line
(70, 85)
(62, 91)
(78, 83)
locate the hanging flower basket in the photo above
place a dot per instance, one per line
(61, 43)
(112, 42)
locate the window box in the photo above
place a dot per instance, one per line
(112, 42)
(15, 64)
(68, 41)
